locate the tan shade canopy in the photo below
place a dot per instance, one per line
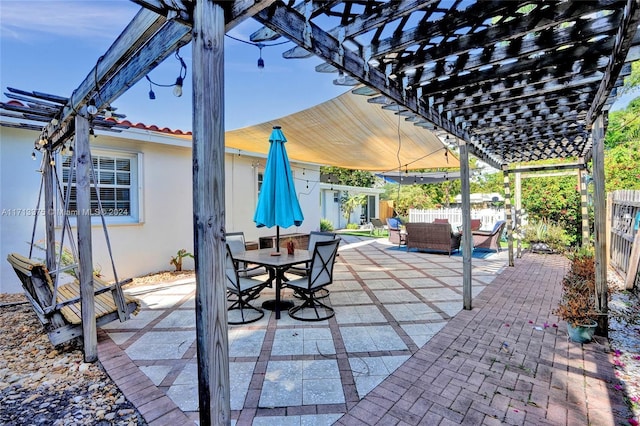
(349, 132)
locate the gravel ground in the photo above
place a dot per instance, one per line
(43, 385)
(624, 338)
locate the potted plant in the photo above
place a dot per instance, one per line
(577, 304)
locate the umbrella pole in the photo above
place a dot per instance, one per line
(277, 239)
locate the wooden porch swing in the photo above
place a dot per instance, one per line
(58, 306)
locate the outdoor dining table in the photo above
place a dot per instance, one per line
(277, 265)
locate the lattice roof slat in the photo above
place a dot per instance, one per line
(516, 79)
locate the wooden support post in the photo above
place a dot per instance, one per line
(85, 257)
(599, 207)
(208, 213)
(584, 207)
(518, 197)
(49, 218)
(507, 208)
(467, 238)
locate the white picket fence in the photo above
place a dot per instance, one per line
(488, 216)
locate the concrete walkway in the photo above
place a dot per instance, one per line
(398, 351)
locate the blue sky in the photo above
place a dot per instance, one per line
(50, 46)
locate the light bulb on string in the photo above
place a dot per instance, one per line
(152, 95)
(33, 155)
(177, 88)
(260, 60)
(92, 109)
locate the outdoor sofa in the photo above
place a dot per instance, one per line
(432, 237)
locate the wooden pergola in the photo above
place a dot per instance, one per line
(512, 81)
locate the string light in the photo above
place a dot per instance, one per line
(177, 86)
(260, 46)
(152, 95)
(33, 155)
(92, 109)
(108, 113)
(260, 60)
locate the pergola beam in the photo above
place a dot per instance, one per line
(568, 166)
(145, 42)
(311, 37)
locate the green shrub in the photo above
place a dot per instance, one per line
(544, 231)
(326, 225)
(353, 226)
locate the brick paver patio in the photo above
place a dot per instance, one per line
(399, 350)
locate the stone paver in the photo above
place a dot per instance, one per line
(400, 350)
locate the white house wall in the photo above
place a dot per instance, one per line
(19, 183)
(165, 200)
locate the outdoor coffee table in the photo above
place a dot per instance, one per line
(277, 266)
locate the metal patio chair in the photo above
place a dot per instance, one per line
(245, 289)
(319, 275)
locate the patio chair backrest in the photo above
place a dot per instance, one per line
(377, 223)
(324, 256)
(393, 223)
(497, 226)
(315, 236)
(236, 242)
(231, 271)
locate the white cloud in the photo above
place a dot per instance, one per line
(29, 21)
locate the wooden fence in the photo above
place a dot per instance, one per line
(624, 248)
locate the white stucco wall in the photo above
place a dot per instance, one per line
(241, 196)
(165, 202)
(19, 183)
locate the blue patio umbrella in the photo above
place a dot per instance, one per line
(278, 202)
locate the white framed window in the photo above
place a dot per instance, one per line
(115, 184)
(260, 180)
